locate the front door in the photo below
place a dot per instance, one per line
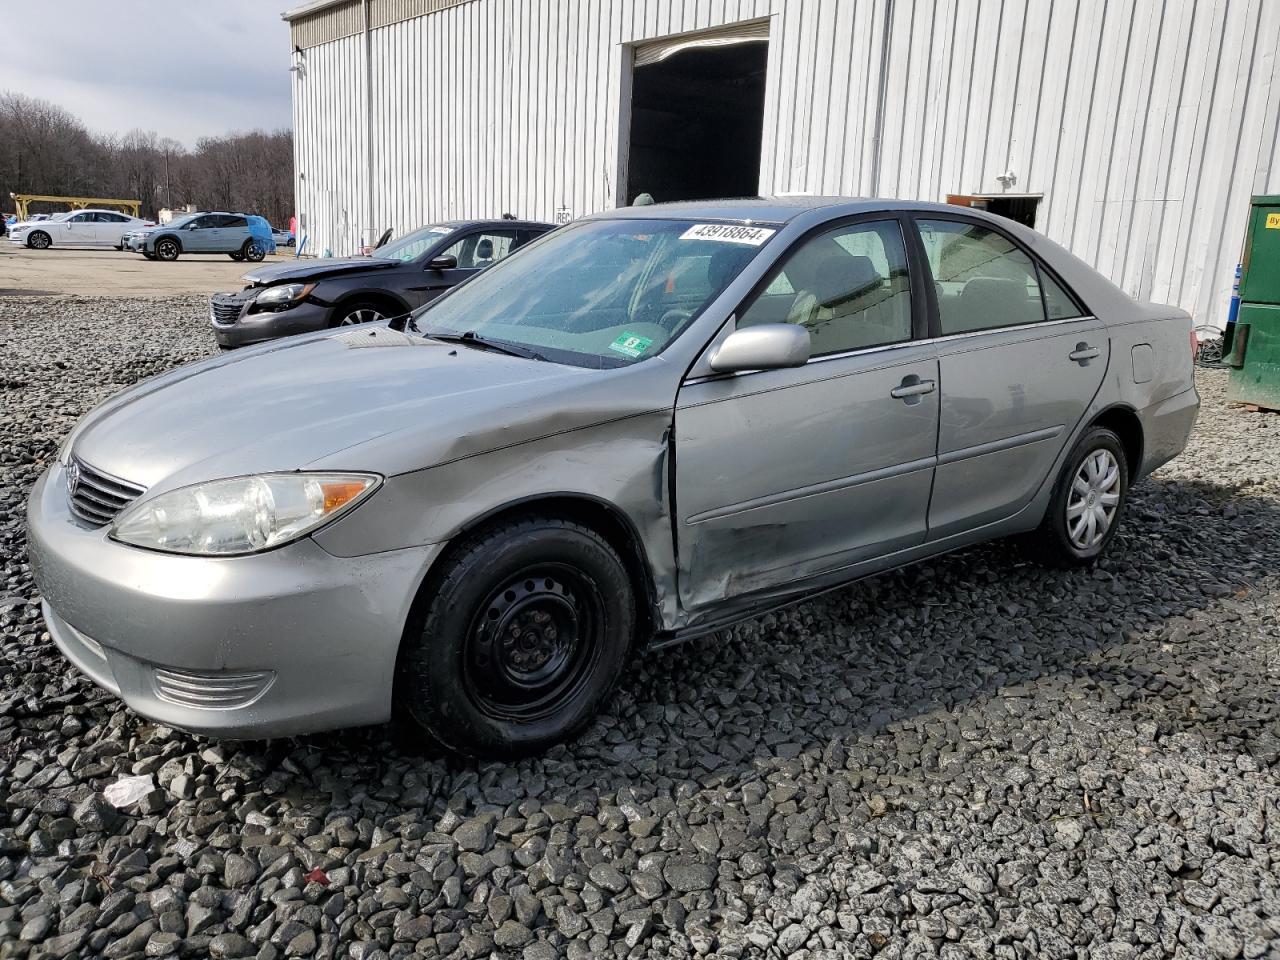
(78, 229)
(783, 475)
(1019, 360)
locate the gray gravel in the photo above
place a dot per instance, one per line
(974, 757)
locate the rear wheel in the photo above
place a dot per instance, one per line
(39, 240)
(1087, 504)
(522, 638)
(237, 256)
(252, 251)
(167, 249)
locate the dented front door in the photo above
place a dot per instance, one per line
(783, 475)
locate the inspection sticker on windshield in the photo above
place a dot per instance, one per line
(728, 233)
(440, 230)
(629, 345)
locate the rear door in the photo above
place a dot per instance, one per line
(233, 233)
(1020, 360)
(109, 227)
(783, 475)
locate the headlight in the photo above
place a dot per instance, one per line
(242, 515)
(288, 293)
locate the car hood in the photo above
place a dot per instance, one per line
(366, 399)
(308, 269)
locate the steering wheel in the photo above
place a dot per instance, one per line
(674, 317)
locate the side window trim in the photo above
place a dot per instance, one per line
(1037, 263)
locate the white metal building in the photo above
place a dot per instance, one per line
(1133, 132)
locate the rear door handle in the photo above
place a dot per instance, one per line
(912, 386)
(1084, 353)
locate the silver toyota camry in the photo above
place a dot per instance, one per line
(640, 428)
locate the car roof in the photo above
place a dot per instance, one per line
(778, 209)
(459, 224)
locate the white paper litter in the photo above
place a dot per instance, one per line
(128, 790)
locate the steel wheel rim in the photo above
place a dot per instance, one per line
(1094, 499)
(532, 644)
(363, 315)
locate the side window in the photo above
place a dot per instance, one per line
(983, 279)
(477, 250)
(234, 221)
(82, 218)
(848, 286)
(1058, 304)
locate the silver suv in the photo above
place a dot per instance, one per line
(199, 233)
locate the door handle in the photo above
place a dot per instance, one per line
(1083, 353)
(912, 386)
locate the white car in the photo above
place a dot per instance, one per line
(78, 228)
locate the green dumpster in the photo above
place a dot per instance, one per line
(1251, 346)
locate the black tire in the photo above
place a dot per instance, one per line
(358, 311)
(238, 256)
(1065, 541)
(149, 256)
(252, 251)
(39, 240)
(559, 596)
(167, 249)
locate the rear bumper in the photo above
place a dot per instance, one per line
(1166, 428)
(290, 641)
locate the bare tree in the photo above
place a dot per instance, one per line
(45, 149)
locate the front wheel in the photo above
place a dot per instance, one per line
(39, 240)
(167, 249)
(524, 634)
(353, 313)
(1087, 503)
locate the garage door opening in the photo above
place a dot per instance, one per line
(1021, 208)
(697, 120)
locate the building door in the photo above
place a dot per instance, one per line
(1020, 208)
(697, 116)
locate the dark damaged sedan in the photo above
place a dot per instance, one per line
(307, 295)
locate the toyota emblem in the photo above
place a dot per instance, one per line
(73, 478)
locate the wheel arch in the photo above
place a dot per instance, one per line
(167, 236)
(605, 518)
(1123, 421)
(385, 298)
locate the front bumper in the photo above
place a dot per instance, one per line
(291, 641)
(233, 326)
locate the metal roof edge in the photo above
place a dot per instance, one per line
(312, 6)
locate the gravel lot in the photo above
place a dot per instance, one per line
(975, 757)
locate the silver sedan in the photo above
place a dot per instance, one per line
(640, 428)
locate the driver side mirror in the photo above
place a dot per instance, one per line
(769, 346)
(442, 263)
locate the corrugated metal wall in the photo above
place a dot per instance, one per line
(1145, 125)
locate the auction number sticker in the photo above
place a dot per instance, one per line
(630, 345)
(728, 233)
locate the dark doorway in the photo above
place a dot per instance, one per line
(697, 119)
(1020, 209)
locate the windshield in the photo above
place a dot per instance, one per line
(600, 293)
(413, 245)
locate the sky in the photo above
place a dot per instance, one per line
(183, 68)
